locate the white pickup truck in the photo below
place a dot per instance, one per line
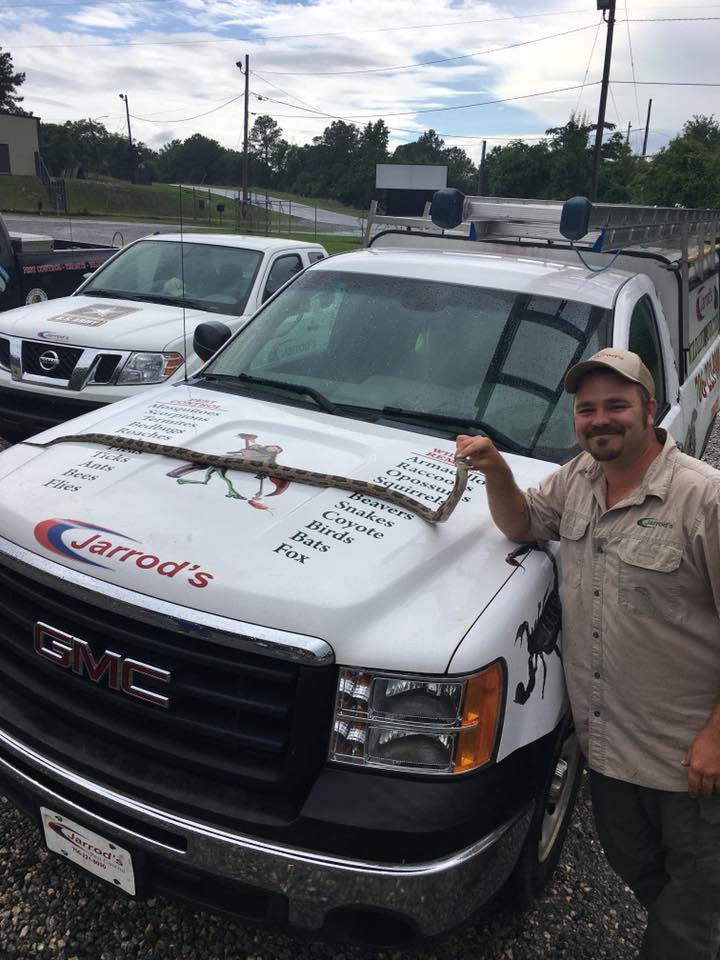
(286, 693)
(131, 323)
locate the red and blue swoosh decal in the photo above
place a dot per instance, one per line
(49, 534)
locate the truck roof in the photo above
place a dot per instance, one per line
(542, 277)
(234, 240)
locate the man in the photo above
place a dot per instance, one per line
(639, 529)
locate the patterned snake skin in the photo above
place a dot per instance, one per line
(296, 474)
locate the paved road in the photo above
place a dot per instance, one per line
(292, 208)
(102, 232)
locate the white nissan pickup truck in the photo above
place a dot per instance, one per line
(131, 323)
(241, 662)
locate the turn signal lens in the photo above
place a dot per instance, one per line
(481, 709)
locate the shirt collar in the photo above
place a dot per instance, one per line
(658, 478)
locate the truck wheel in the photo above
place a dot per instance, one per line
(541, 851)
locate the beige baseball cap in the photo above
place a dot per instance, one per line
(624, 362)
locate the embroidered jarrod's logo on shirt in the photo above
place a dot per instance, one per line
(653, 522)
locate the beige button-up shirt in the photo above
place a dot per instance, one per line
(640, 588)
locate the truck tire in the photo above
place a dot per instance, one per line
(541, 851)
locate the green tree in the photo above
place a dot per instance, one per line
(570, 172)
(195, 160)
(9, 82)
(702, 129)
(681, 173)
(519, 169)
(372, 148)
(462, 172)
(428, 148)
(56, 147)
(267, 148)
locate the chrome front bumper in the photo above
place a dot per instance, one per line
(434, 896)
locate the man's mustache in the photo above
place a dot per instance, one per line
(603, 430)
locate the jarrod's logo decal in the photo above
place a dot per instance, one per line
(82, 843)
(79, 540)
(265, 453)
(653, 522)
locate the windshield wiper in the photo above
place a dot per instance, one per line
(173, 301)
(397, 413)
(319, 398)
(117, 294)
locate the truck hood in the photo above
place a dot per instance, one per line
(103, 322)
(375, 581)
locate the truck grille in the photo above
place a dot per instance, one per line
(243, 734)
(4, 353)
(32, 351)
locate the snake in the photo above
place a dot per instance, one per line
(294, 474)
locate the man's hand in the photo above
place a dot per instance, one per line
(507, 504)
(703, 761)
(480, 452)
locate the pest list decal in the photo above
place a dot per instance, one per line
(357, 518)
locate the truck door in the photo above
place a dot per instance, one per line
(9, 279)
(283, 268)
(645, 339)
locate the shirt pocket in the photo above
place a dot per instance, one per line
(648, 582)
(573, 527)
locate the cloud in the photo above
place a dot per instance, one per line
(177, 60)
(104, 18)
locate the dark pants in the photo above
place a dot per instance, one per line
(666, 847)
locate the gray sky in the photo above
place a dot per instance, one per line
(358, 60)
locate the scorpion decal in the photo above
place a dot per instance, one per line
(540, 639)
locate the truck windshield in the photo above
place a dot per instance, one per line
(207, 276)
(465, 353)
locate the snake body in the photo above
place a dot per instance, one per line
(295, 474)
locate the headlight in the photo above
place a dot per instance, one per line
(149, 367)
(417, 725)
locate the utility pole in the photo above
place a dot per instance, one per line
(481, 174)
(609, 7)
(239, 65)
(647, 128)
(123, 96)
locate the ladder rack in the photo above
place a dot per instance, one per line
(605, 226)
(423, 223)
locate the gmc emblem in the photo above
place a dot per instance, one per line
(119, 673)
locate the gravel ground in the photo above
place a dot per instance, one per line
(49, 910)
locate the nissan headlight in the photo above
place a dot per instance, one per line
(417, 724)
(149, 367)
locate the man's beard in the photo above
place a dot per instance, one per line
(604, 454)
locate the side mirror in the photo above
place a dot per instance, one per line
(209, 337)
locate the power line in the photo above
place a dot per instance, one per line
(292, 96)
(417, 26)
(632, 66)
(306, 36)
(671, 19)
(73, 3)
(587, 68)
(185, 119)
(462, 106)
(669, 83)
(426, 63)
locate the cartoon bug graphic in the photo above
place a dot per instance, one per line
(266, 453)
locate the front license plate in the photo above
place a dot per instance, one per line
(89, 850)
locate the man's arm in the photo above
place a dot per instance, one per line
(703, 758)
(507, 502)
